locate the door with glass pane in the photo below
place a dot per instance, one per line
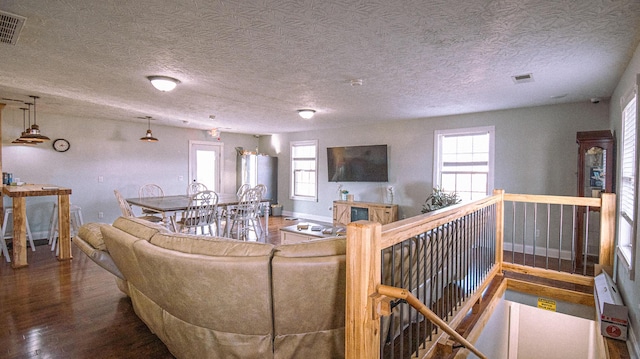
(205, 164)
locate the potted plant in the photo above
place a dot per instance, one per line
(439, 198)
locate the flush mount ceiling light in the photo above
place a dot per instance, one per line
(306, 113)
(163, 83)
(148, 137)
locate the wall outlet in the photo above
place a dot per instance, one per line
(100, 214)
(180, 178)
(537, 233)
(100, 179)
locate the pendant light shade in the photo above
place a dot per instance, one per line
(148, 137)
(26, 135)
(20, 140)
(34, 132)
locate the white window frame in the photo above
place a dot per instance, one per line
(437, 166)
(628, 223)
(292, 193)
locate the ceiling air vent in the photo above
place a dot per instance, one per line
(10, 27)
(520, 79)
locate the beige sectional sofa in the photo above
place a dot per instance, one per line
(210, 297)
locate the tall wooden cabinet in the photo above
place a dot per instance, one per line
(595, 163)
(595, 175)
(345, 212)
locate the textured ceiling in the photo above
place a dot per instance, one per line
(252, 64)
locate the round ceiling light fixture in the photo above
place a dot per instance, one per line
(306, 113)
(163, 83)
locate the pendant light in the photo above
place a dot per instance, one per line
(26, 135)
(149, 136)
(34, 132)
(20, 139)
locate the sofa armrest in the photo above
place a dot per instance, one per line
(89, 240)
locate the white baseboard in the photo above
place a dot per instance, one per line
(540, 251)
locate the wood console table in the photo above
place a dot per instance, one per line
(19, 194)
(345, 212)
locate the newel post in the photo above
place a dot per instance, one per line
(499, 227)
(362, 323)
(607, 228)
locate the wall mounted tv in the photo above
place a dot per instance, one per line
(358, 164)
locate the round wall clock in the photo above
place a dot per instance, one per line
(61, 145)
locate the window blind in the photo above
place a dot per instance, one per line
(627, 192)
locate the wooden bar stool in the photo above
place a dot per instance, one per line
(8, 212)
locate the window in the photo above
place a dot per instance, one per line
(304, 176)
(464, 161)
(628, 186)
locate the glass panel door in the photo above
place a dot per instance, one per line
(205, 164)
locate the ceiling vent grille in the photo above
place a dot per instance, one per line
(10, 27)
(519, 79)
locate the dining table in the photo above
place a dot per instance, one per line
(170, 205)
(19, 194)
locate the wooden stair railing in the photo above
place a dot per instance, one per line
(400, 293)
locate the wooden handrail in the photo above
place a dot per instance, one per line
(366, 240)
(400, 293)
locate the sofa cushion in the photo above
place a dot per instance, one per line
(140, 228)
(89, 240)
(119, 239)
(210, 246)
(218, 284)
(309, 278)
(90, 233)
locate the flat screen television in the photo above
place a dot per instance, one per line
(358, 164)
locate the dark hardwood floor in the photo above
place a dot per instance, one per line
(74, 309)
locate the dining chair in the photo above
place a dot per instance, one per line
(201, 213)
(263, 193)
(151, 190)
(196, 187)
(262, 188)
(245, 216)
(127, 211)
(242, 189)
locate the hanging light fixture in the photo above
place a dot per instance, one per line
(20, 139)
(26, 135)
(149, 136)
(163, 83)
(306, 113)
(34, 133)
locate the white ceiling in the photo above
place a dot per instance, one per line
(253, 63)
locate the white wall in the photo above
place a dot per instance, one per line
(536, 153)
(630, 289)
(104, 148)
